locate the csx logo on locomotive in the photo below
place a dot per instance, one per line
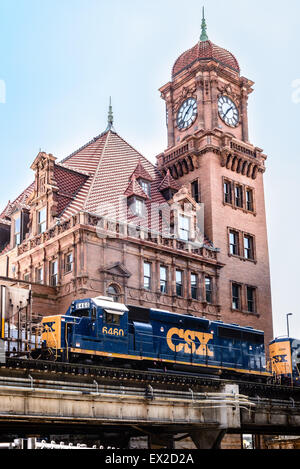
(280, 359)
(194, 342)
(48, 327)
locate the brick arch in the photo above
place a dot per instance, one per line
(117, 288)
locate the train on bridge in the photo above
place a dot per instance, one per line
(99, 330)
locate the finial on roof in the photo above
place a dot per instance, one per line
(203, 36)
(110, 119)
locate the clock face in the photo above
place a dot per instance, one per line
(228, 111)
(187, 114)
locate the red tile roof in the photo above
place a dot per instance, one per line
(205, 51)
(134, 188)
(140, 172)
(69, 182)
(100, 174)
(21, 200)
(169, 183)
(111, 162)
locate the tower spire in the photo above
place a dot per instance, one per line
(203, 36)
(110, 119)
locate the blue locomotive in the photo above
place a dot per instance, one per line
(98, 329)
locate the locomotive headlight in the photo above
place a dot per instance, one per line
(77, 344)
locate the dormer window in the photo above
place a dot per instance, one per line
(42, 220)
(146, 186)
(137, 207)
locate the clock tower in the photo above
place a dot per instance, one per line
(209, 153)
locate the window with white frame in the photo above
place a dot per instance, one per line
(184, 227)
(137, 207)
(147, 275)
(42, 220)
(17, 234)
(194, 286)
(163, 279)
(54, 273)
(39, 275)
(68, 262)
(146, 186)
(179, 283)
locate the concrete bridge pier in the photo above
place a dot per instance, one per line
(208, 439)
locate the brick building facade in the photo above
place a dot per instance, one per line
(105, 221)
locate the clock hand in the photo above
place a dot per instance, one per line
(187, 111)
(228, 111)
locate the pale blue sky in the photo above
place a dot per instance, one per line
(62, 59)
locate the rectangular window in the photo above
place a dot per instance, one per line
(39, 275)
(68, 263)
(227, 192)
(248, 247)
(208, 289)
(195, 191)
(111, 318)
(26, 277)
(194, 286)
(251, 300)
(234, 243)
(238, 196)
(249, 200)
(184, 228)
(139, 207)
(145, 185)
(53, 273)
(42, 220)
(163, 279)
(17, 235)
(147, 275)
(179, 283)
(236, 296)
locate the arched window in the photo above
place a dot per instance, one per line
(113, 292)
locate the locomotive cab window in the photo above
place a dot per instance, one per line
(112, 317)
(81, 313)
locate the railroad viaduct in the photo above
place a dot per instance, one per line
(47, 403)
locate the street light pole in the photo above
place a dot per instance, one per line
(287, 322)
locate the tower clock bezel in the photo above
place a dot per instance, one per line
(183, 120)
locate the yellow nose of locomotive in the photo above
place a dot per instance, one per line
(51, 332)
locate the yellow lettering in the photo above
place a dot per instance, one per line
(178, 333)
(203, 350)
(191, 338)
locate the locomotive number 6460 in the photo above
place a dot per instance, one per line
(112, 331)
